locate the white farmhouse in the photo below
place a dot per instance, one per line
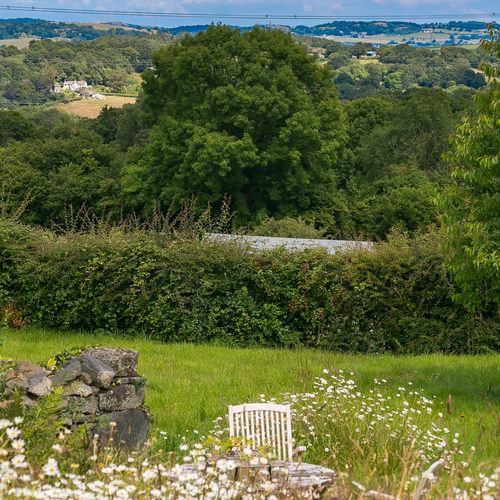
(75, 85)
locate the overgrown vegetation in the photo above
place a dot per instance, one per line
(265, 129)
(471, 204)
(396, 298)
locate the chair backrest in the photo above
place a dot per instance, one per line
(264, 425)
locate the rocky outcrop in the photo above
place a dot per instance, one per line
(100, 389)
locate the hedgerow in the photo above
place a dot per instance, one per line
(396, 298)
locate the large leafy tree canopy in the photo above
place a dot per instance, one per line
(252, 116)
(471, 206)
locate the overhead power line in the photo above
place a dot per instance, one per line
(264, 17)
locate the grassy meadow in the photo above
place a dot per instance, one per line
(19, 43)
(90, 108)
(190, 385)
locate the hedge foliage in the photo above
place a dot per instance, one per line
(393, 299)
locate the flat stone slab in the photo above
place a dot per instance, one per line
(301, 474)
(122, 361)
(309, 477)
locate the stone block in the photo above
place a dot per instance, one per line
(130, 431)
(86, 406)
(70, 371)
(14, 384)
(19, 376)
(121, 397)
(77, 388)
(84, 419)
(25, 370)
(100, 372)
(122, 361)
(39, 385)
(28, 402)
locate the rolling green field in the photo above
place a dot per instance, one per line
(189, 386)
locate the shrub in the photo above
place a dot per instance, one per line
(288, 227)
(395, 298)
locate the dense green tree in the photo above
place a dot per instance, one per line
(251, 115)
(14, 126)
(66, 169)
(417, 130)
(471, 205)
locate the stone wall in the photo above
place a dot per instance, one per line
(99, 386)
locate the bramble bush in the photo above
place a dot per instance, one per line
(396, 298)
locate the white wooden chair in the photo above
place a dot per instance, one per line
(265, 425)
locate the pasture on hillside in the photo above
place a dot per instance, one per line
(90, 108)
(19, 43)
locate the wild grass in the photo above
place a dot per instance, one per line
(189, 386)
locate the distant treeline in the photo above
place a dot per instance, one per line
(339, 28)
(39, 28)
(15, 28)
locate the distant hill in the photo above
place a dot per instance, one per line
(344, 28)
(39, 28)
(198, 28)
(340, 28)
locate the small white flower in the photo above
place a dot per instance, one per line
(18, 444)
(13, 432)
(51, 468)
(19, 461)
(5, 423)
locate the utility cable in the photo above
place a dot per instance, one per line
(266, 17)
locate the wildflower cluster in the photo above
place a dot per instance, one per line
(380, 436)
(486, 487)
(205, 472)
(378, 439)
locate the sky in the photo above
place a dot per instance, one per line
(376, 9)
